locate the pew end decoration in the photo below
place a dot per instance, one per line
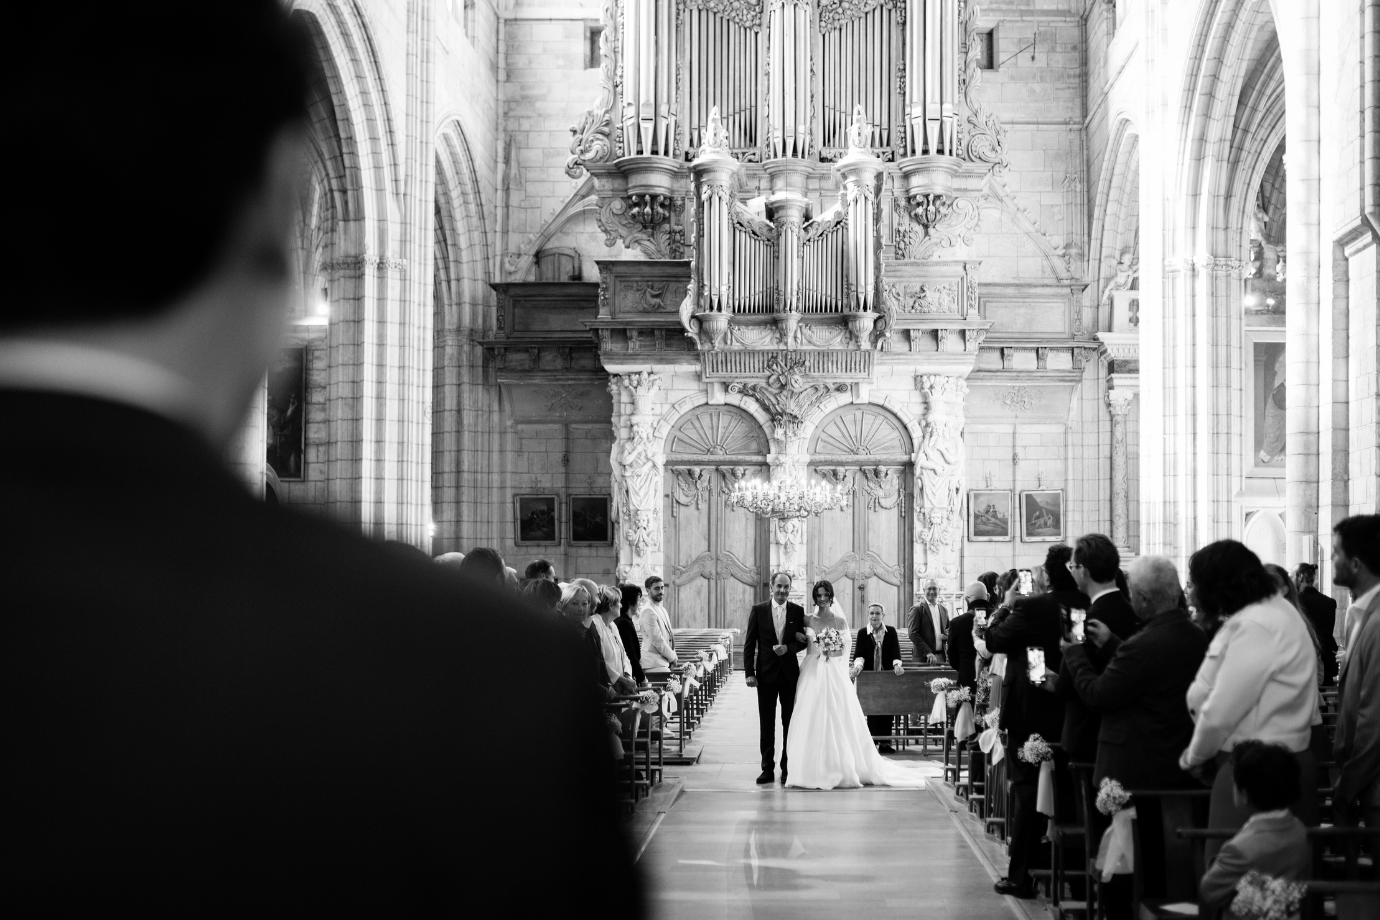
(1111, 797)
(1263, 897)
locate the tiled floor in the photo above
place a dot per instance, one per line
(729, 848)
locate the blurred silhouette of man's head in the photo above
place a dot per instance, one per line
(156, 147)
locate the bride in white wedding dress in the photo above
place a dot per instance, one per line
(829, 746)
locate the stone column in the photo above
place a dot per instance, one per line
(1119, 401)
(638, 461)
(788, 537)
(940, 473)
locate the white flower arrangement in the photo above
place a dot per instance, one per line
(1036, 750)
(830, 640)
(673, 686)
(993, 718)
(649, 701)
(705, 655)
(956, 698)
(1263, 897)
(942, 685)
(1111, 797)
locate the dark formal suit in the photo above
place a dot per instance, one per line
(960, 651)
(591, 661)
(1079, 738)
(1027, 709)
(866, 648)
(1322, 611)
(627, 631)
(220, 708)
(920, 627)
(776, 674)
(1140, 698)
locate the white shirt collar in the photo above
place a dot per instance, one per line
(1267, 815)
(1362, 602)
(1105, 591)
(84, 370)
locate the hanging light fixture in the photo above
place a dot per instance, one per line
(786, 499)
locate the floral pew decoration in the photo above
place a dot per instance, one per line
(1116, 852)
(990, 739)
(670, 704)
(1264, 897)
(1037, 752)
(948, 695)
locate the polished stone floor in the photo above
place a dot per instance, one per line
(728, 848)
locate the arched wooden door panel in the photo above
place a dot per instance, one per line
(864, 549)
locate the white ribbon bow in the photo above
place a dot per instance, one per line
(990, 743)
(940, 712)
(1116, 853)
(964, 725)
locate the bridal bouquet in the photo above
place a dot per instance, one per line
(830, 640)
(1036, 750)
(993, 718)
(1263, 897)
(942, 685)
(1111, 797)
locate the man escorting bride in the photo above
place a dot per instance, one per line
(828, 744)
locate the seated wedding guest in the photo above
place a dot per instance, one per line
(484, 565)
(959, 648)
(542, 593)
(1035, 621)
(1322, 613)
(928, 626)
(654, 633)
(606, 603)
(1273, 841)
(1290, 593)
(1356, 565)
(542, 569)
(630, 595)
(227, 707)
(577, 609)
(1095, 566)
(878, 648)
(1259, 679)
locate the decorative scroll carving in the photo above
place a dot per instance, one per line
(562, 400)
(717, 431)
(883, 488)
(593, 140)
(752, 336)
(655, 229)
(986, 137)
(746, 13)
(823, 336)
(842, 477)
(953, 226)
(861, 431)
(834, 13)
(972, 339)
(939, 463)
(790, 533)
(691, 485)
(786, 395)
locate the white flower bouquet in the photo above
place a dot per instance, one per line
(615, 724)
(942, 685)
(956, 698)
(993, 718)
(1036, 750)
(649, 701)
(830, 640)
(705, 656)
(1111, 796)
(673, 686)
(1263, 897)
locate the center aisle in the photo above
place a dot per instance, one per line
(730, 848)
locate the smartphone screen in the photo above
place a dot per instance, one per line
(1026, 585)
(980, 618)
(1077, 617)
(1035, 660)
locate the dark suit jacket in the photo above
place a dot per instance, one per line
(1140, 696)
(591, 659)
(212, 705)
(759, 660)
(1027, 709)
(1322, 611)
(1079, 737)
(864, 647)
(960, 651)
(628, 633)
(920, 628)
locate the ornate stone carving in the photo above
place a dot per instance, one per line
(1019, 399)
(717, 431)
(790, 534)
(360, 264)
(746, 13)
(1127, 269)
(823, 336)
(986, 138)
(691, 485)
(972, 339)
(654, 228)
(593, 140)
(835, 13)
(562, 400)
(1119, 402)
(933, 297)
(643, 296)
(952, 225)
(939, 464)
(786, 395)
(883, 488)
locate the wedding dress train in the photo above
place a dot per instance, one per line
(829, 746)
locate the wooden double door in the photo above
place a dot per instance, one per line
(717, 556)
(864, 549)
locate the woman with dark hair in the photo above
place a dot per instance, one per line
(1004, 598)
(989, 581)
(543, 593)
(627, 629)
(484, 565)
(1290, 592)
(1258, 681)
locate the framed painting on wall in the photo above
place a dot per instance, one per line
(287, 399)
(989, 515)
(1042, 516)
(536, 519)
(591, 524)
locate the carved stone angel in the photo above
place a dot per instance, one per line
(859, 132)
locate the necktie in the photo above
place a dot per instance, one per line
(877, 650)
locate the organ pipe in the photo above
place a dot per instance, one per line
(788, 100)
(649, 56)
(932, 64)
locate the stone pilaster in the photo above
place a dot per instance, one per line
(1119, 401)
(940, 472)
(638, 461)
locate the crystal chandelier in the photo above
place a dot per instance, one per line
(786, 499)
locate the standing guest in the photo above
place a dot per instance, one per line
(878, 648)
(1007, 584)
(1259, 679)
(542, 569)
(1095, 565)
(1031, 622)
(959, 648)
(576, 607)
(541, 593)
(608, 600)
(928, 626)
(989, 581)
(485, 565)
(449, 559)
(1273, 841)
(1356, 565)
(629, 595)
(1322, 613)
(1290, 593)
(654, 632)
(231, 708)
